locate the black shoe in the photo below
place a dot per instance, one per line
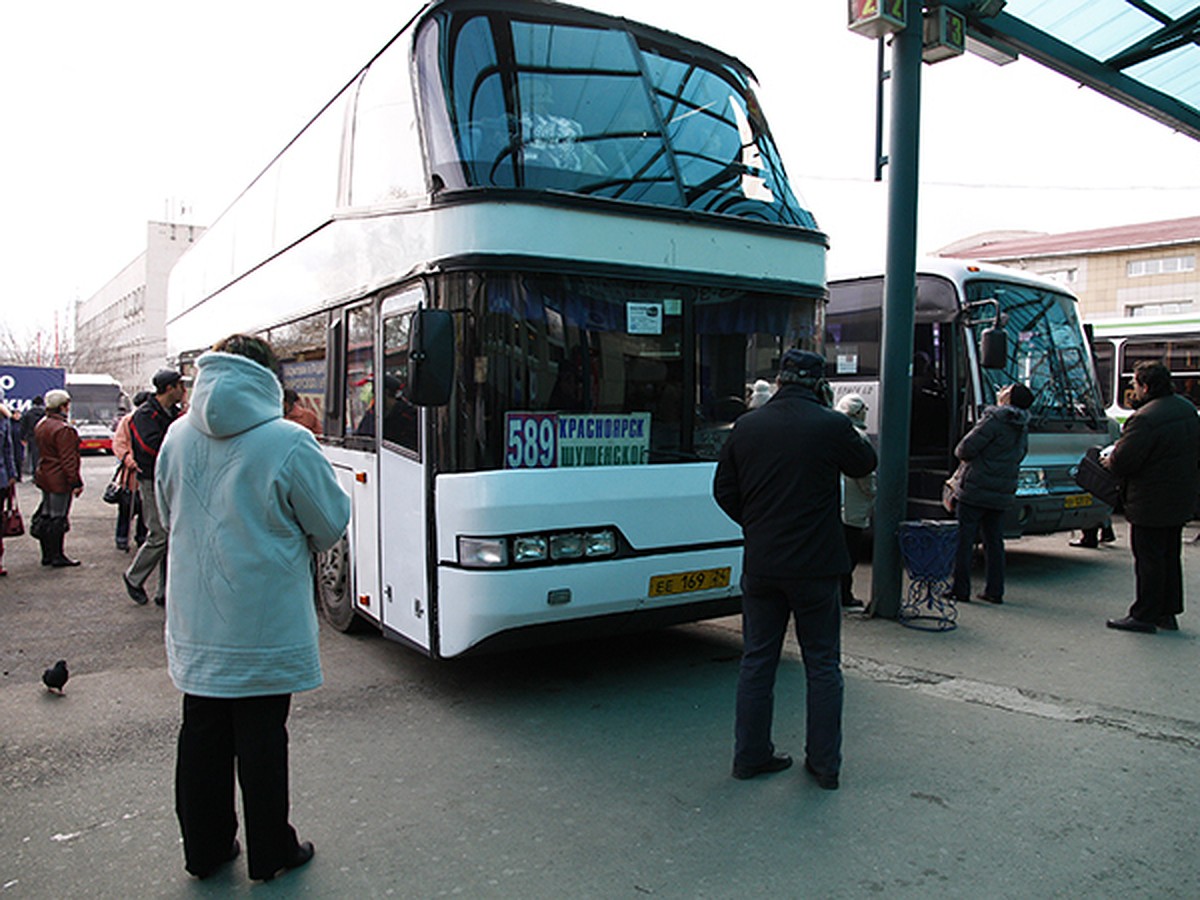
(828, 782)
(989, 599)
(1090, 545)
(1168, 622)
(123, 545)
(951, 597)
(776, 763)
(229, 857)
(851, 603)
(1129, 623)
(160, 600)
(300, 856)
(136, 593)
(1107, 536)
(62, 561)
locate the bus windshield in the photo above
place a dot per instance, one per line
(588, 109)
(548, 359)
(1047, 351)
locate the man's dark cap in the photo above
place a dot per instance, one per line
(798, 365)
(164, 378)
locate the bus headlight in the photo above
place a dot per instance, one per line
(529, 548)
(566, 546)
(482, 553)
(1031, 481)
(533, 549)
(600, 543)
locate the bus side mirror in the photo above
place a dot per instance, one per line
(994, 348)
(431, 358)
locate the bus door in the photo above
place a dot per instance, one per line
(403, 515)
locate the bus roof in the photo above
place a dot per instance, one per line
(959, 270)
(1124, 326)
(78, 378)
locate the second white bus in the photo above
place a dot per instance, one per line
(1047, 351)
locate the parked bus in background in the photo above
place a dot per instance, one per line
(1120, 344)
(1045, 349)
(525, 264)
(97, 402)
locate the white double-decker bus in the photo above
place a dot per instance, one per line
(524, 266)
(1043, 347)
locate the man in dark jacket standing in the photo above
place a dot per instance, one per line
(147, 428)
(990, 455)
(1157, 455)
(779, 477)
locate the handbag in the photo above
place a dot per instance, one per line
(950, 490)
(13, 524)
(115, 491)
(1097, 480)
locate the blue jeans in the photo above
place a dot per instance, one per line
(767, 606)
(973, 520)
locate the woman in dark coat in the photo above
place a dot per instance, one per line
(57, 475)
(991, 455)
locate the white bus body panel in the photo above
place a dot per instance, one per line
(357, 473)
(352, 256)
(665, 508)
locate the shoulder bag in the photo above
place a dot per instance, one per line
(1097, 480)
(115, 491)
(12, 524)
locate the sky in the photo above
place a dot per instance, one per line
(138, 110)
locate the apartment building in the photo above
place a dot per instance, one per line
(1148, 269)
(121, 329)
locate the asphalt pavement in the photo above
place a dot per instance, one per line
(1030, 752)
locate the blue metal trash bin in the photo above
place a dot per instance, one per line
(928, 547)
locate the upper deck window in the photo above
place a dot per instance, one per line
(584, 108)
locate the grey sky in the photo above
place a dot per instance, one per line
(119, 113)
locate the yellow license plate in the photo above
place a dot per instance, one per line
(1074, 501)
(687, 582)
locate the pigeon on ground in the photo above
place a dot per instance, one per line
(56, 676)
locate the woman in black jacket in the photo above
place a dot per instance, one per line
(991, 455)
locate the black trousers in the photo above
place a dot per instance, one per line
(1158, 570)
(216, 733)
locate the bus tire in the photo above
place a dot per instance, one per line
(335, 595)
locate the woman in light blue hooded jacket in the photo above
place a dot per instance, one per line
(246, 497)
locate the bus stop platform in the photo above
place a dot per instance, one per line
(1029, 752)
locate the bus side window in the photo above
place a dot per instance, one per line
(399, 415)
(359, 413)
(1104, 356)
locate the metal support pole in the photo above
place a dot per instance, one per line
(899, 303)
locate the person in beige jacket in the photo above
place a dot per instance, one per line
(129, 509)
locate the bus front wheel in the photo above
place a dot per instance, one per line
(334, 594)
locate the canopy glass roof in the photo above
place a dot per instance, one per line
(1143, 53)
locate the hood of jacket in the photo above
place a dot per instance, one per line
(1009, 415)
(233, 394)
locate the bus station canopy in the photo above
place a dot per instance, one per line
(1142, 53)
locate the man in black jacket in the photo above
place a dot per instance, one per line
(1157, 455)
(147, 428)
(779, 477)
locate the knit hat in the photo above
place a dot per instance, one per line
(1021, 396)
